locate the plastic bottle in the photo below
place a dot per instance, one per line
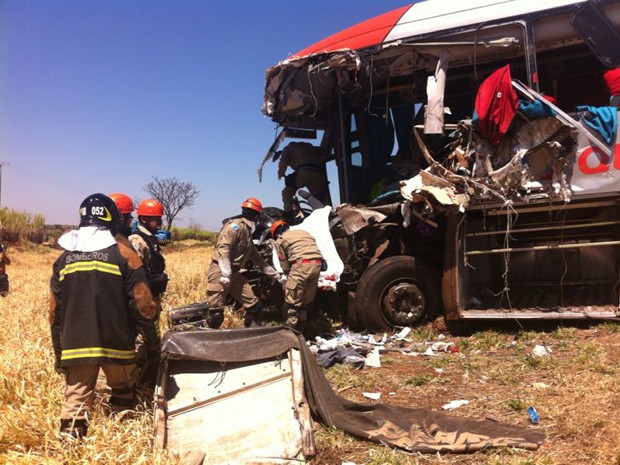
(531, 411)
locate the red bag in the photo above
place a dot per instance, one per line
(612, 81)
(496, 105)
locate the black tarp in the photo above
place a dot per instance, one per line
(411, 429)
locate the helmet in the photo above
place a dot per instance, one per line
(123, 202)
(253, 204)
(276, 225)
(150, 207)
(99, 209)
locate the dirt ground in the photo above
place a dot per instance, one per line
(574, 389)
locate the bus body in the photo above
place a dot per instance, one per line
(525, 227)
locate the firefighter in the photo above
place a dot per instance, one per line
(233, 249)
(143, 239)
(308, 167)
(98, 285)
(301, 262)
(4, 278)
(125, 208)
(297, 213)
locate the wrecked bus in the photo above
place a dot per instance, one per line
(475, 195)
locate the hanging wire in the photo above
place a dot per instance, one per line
(316, 102)
(370, 74)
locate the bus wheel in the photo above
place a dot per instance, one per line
(397, 291)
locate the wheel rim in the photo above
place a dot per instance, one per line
(403, 303)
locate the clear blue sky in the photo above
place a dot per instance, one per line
(99, 96)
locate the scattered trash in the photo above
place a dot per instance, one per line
(443, 347)
(531, 411)
(372, 395)
(373, 359)
(404, 333)
(429, 352)
(368, 347)
(541, 351)
(340, 355)
(454, 404)
(540, 386)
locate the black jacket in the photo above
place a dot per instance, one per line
(94, 297)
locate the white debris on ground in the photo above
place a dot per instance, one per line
(541, 351)
(454, 404)
(345, 345)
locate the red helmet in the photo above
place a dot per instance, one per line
(253, 204)
(123, 202)
(276, 225)
(150, 207)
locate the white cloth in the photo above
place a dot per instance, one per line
(317, 224)
(86, 239)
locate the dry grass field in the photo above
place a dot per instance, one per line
(576, 390)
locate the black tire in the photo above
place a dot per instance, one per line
(397, 291)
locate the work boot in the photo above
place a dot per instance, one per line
(302, 314)
(71, 429)
(215, 317)
(121, 401)
(292, 317)
(251, 315)
(250, 322)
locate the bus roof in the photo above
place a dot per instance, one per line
(425, 17)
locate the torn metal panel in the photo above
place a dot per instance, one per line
(353, 218)
(536, 156)
(242, 411)
(435, 89)
(425, 185)
(271, 153)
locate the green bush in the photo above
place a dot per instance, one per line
(182, 234)
(20, 226)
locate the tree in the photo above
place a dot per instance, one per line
(173, 194)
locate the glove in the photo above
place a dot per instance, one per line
(60, 370)
(271, 272)
(226, 270)
(55, 332)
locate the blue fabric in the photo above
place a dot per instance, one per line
(536, 109)
(604, 120)
(163, 235)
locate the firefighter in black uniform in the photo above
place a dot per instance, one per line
(98, 288)
(4, 278)
(150, 212)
